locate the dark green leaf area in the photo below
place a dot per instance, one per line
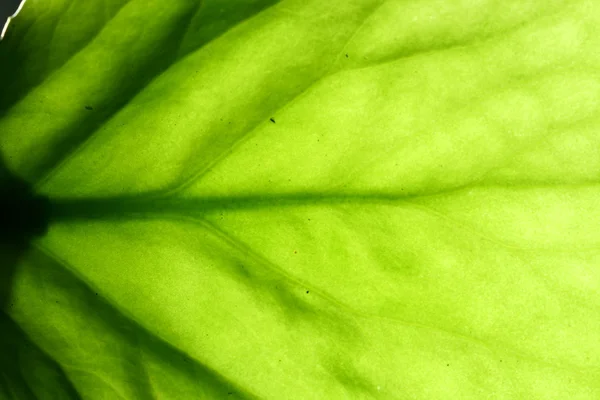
(23, 214)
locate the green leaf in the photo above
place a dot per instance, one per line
(304, 199)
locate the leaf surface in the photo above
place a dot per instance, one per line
(308, 199)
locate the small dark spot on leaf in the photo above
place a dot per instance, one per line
(295, 252)
(96, 294)
(88, 108)
(447, 365)
(307, 292)
(346, 55)
(272, 120)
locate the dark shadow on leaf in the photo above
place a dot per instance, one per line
(24, 216)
